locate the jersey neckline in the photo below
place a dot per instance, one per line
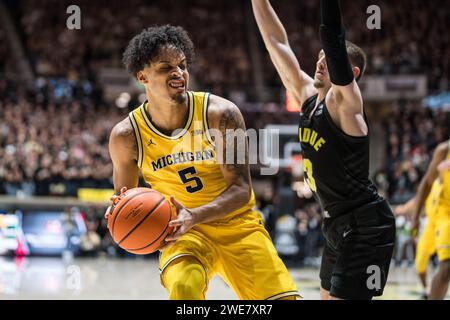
(144, 110)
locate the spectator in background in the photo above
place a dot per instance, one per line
(90, 242)
(53, 149)
(414, 43)
(309, 234)
(413, 131)
(405, 245)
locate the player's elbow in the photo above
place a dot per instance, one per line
(278, 42)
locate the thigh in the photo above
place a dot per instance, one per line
(425, 247)
(250, 265)
(363, 260)
(351, 271)
(442, 237)
(329, 257)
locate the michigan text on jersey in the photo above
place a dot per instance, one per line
(182, 157)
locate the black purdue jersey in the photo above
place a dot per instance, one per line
(336, 165)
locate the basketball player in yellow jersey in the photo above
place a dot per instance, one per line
(168, 138)
(426, 245)
(439, 168)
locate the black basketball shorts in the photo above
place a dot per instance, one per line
(358, 251)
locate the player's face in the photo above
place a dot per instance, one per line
(321, 77)
(167, 75)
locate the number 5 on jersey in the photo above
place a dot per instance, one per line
(184, 176)
(308, 168)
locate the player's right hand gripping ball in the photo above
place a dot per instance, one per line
(139, 220)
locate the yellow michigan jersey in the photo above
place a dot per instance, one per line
(237, 246)
(443, 215)
(426, 246)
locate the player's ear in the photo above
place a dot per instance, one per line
(356, 72)
(141, 77)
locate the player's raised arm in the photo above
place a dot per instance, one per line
(345, 91)
(122, 149)
(296, 81)
(427, 181)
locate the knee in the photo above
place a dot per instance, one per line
(324, 294)
(188, 283)
(185, 290)
(289, 298)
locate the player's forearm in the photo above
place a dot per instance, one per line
(422, 193)
(332, 37)
(330, 13)
(125, 177)
(232, 199)
(269, 24)
(281, 54)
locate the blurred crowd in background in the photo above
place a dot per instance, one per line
(49, 149)
(412, 134)
(406, 43)
(409, 41)
(222, 60)
(5, 52)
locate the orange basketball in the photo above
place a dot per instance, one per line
(139, 222)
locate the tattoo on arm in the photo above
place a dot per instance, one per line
(123, 153)
(235, 144)
(126, 133)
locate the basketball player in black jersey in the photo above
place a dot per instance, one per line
(358, 224)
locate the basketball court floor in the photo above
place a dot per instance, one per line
(120, 279)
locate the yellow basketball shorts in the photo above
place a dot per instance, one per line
(240, 251)
(443, 233)
(426, 246)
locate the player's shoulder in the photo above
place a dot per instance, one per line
(442, 149)
(123, 132)
(219, 104)
(221, 109)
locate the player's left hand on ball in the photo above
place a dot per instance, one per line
(182, 223)
(114, 199)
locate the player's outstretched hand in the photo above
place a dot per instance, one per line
(182, 223)
(415, 224)
(114, 199)
(407, 208)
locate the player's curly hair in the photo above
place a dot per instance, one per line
(145, 46)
